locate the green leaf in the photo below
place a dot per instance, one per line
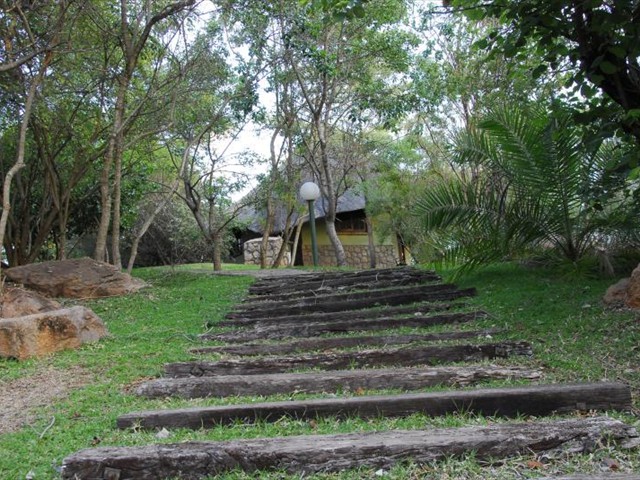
(539, 71)
(618, 51)
(481, 44)
(608, 67)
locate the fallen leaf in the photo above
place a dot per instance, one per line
(611, 464)
(534, 464)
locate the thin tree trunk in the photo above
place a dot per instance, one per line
(371, 243)
(105, 187)
(296, 239)
(264, 244)
(341, 258)
(117, 201)
(147, 223)
(19, 163)
(217, 251)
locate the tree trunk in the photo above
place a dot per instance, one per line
(264, 244)
(100, 251)
(216, 239)
(19, 163)
(117, 200)
(341, 258)
(371, 243)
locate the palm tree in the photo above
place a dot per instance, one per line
(534, 184)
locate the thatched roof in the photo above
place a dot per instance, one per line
(253, 218)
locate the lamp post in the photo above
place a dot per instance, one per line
(310, 192)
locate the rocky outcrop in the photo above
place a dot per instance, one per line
(76, 278)
(43, 333)
(625, 293)
(16, 302)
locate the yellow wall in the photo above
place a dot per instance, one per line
(346, 239)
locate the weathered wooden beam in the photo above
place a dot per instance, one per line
(318, 299)
(424, 355)
(506, 402)
(367, 313)
(332, 381)
(332, 453)
(330, 343)
(356, 304)
(298, 329)
(311, 280)
(296, 289)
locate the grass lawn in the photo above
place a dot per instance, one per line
(574, 339)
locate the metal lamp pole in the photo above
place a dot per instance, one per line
(310, 192)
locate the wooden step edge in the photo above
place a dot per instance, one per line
(331, 453)
(537, 400)
(406, 379)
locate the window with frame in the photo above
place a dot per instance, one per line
(351, 222)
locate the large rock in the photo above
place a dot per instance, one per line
(625, 293)
(43, 333)
(77, 278)
(633, 290)
(16, 302)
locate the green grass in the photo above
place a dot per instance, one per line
(203, 267)
(574, 339)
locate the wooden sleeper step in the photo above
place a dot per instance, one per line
(364, 314)
(332, 453)
(505, 402)
(398, 298)
(297, 329)
(400, 357)
(329, 382)
(329, 343)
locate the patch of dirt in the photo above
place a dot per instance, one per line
(21, 398)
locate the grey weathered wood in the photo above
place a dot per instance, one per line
(333, 279)
(332, 453)
(332, 381)
(330, 287)
(424, 355)
(321, 298)
(299, 328)
(364, 314)
(329, 343)
(507, 402)
(400, 298)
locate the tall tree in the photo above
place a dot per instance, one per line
(30, 37)
(133, 33)
(600, 39)
(344, 71)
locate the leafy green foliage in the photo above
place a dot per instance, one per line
(598, 39)
(530, 182)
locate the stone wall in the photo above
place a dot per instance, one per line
(357, 256)
(252, 251)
